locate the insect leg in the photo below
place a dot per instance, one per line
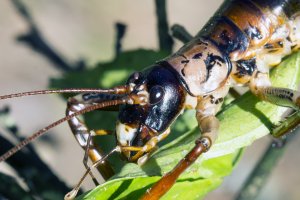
(86, 157)
(89, 150)
(207, 108)
(142, 160)
(149, 148)
(72, 194)
(84, 136)
(169, 179)
(260, 85)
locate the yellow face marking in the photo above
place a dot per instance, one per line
(125, 133)
(126, 129)
(103, 132)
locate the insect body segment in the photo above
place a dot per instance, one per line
(236, 47)
(202, 66)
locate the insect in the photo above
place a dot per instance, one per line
(236, 47)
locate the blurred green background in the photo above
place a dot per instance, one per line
(85, 30)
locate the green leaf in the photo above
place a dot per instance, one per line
(242, 122)
(127, 189)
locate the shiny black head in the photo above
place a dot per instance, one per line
(165, 100)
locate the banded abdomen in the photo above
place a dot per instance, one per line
(255, 34)
(243, 37)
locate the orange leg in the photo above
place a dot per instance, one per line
(209, 125)
(149, 148)
(169, 179)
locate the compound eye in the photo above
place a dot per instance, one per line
(157, 93)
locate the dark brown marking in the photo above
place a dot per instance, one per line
(210, 62)
(268, 46)
(273, 50)
(182, 56)
(245, 67)
(182, 72)
(185, 61)
(253, 32)
(197, 56)
(204, 43)
(212, 99)
(280, 43)
(220, 100)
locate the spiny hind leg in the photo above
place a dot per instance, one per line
(260, 85)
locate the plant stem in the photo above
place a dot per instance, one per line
(180, 33)
(165, 40)
(120, 33)
(35, 40)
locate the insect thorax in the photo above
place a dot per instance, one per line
(202, 67)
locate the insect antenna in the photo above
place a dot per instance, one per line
(43, 130)
(72, 194)
(116, 90)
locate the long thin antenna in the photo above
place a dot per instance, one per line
(116, 90)
(42, 131)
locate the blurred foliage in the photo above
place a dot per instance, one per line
(242, 121)
(40, 181)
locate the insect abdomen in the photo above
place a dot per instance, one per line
(240, 26)
(248, 36)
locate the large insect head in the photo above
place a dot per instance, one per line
(164, 100)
